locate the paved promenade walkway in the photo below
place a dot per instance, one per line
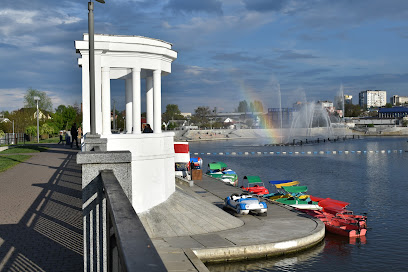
(40, 213)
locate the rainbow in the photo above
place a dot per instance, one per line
(248, 94)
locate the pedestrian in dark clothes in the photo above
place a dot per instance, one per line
(74, 135)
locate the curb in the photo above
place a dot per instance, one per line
(263, 250)
(4, 148)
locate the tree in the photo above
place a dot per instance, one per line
(44, 103)
(47, 130)
(64, 116)
(258, 106)
(201, 116)
(253, 106)
(22, 118)
(388, 105)
(31, 130)
(172, 113)
(243, 106)
(351, 110)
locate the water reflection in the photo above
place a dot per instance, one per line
(332, 247)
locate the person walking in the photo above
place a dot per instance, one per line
(74, 135)
(61, 138)
(147, 129)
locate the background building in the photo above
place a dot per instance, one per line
(371, 98)
(396, 100)
(278, 117)
(328, 105)
(348, 99)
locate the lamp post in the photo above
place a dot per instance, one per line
(36, 98)
(92, 64)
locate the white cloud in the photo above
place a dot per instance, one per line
(26, 27)
(52, 49)
(11, 99)
(19, 16)
(197, 70)
(166, 25)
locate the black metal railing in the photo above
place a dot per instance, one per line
(129, 246)
(13, 138)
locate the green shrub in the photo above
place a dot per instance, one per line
(31, 130)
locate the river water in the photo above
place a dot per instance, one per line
(370, 173)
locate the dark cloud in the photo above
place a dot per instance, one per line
(312, 37)
(312, 72)
(7, 46)
(331, 14)
(400, 31)
(233, 57)
(373, 81)
(189, 6)
(291, 55)
(265, 5)
(251, 62)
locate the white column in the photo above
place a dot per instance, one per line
(106, 105)
(136, 118)
(149, 101)
(157, 101)
(129, 106)
(86, 111)
(98, 92)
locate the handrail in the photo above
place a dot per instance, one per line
(135, 248)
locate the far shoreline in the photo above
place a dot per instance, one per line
(234, 134)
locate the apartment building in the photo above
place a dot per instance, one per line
(371, 98)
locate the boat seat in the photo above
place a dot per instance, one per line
(235, 197)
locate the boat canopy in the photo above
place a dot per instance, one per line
(287, 184)
(328, 202)
(253, 179)
(295, 189)
(279, 181)
(214, 166)
(222, 164)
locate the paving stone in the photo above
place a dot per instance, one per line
(41, 213)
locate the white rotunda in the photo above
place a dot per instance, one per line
(132, 58)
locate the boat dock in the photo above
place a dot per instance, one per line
(191, 227)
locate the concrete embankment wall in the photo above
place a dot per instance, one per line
(389, 131)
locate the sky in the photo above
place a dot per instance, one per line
(275, 51)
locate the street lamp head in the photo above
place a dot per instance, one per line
(37, 98)
(100, 1)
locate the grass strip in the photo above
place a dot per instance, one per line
(52, 140)
(24, 149)
(7, 162)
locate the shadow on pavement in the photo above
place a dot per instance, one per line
(49, 235)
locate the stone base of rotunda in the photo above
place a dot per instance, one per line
(153, 173)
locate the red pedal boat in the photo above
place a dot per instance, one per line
(337, 219)
(255, 186)
(346, 227)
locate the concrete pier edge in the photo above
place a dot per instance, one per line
(237, 253)
(258, 251)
